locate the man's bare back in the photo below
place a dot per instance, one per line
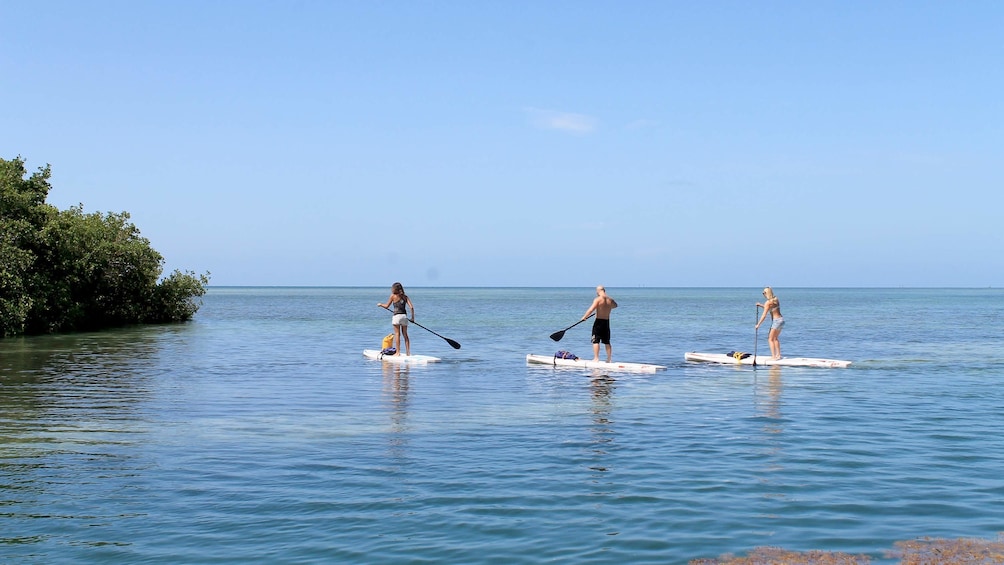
(602, 305)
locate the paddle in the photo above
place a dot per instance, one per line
(452, 343)
(556, 336)
(756, 337)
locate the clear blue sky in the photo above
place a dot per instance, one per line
(554, 143)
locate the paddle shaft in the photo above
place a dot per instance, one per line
(452, 343)
(756, 333)
(556, 336)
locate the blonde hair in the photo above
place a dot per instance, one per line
(768, 293)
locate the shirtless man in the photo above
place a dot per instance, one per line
(602, 305)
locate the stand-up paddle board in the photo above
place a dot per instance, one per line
(403, 359)
(747, 359)
(590, 364)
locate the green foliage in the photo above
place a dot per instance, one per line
(73, 271)
(23, 212)
(174, 299)
(15, 300)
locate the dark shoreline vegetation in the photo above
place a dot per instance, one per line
(70, 271)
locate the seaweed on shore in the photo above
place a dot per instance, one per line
(922, 551)
(780, 556)
(940, 551)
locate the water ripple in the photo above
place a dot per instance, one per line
(258, 433)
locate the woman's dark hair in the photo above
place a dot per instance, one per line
(398, 288)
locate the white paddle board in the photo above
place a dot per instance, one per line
(403, 359)
(590, 364)
(727, 359)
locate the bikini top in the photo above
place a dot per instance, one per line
(773, 306)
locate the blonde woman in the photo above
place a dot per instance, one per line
(773, 305)
(398, 304)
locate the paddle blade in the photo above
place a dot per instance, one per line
(556, 336)
(453, 344)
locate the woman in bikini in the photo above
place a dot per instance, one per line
(398, 304)
(773, 305)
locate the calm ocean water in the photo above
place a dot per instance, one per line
(259, 433)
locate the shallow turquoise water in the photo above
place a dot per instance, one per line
(258, 432)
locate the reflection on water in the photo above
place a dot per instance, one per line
(768, 403)
(768, 398)
(73, 414)
(77, 379)
(395, 397)
(601, 388)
